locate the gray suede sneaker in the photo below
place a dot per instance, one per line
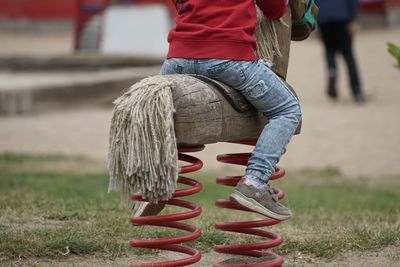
(146, 209)
(261, 200)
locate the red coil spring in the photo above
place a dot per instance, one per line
(266, 258)
(172, 220)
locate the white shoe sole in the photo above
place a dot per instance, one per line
(257, 207)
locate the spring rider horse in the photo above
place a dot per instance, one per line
(162, 117)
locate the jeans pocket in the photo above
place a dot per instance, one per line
(221, 66)
(257, 91)
(227, 71)
(171, 66)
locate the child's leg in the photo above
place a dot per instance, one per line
(265, 91)
(269, 95)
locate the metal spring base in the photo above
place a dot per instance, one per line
(264, 258)
(172, 220)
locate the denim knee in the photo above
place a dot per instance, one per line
(292, 111)
(297, 111)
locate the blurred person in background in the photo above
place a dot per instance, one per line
(337, 25)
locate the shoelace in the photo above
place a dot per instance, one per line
(271, 191)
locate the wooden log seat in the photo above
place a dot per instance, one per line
(208, 111)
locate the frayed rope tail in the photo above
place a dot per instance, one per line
(142, 146)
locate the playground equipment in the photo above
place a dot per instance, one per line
(93, 28)
(196, 128)
(172, 220)
(258, 250)
(86, 11)
(206, 111)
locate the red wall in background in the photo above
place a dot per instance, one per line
(66, 9)
(38, 9)
(57, 9)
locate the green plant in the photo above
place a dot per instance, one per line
(395, 52)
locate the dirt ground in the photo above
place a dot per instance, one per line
(388, 257)
(360, 140)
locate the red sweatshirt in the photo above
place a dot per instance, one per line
(220, 29)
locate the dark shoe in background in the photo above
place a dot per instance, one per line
(359, 99)
(332, 92)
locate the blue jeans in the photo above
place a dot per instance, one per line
(265, 91)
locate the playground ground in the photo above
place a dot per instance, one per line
(360, 143)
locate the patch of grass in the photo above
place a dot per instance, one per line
(329, 246)
(88, 219)
(51, 214)
(10, 158)
(31, 163)
(335, 214)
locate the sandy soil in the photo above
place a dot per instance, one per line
(359, 140)
(388, 257)
(36, 43)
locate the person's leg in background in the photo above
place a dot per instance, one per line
(329, 38)
(346, 48)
